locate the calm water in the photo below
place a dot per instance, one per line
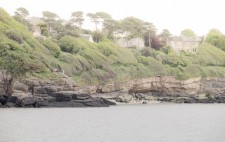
(134, 123)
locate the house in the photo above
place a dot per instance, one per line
(182, 43)
(120, 34)
(134, 42)
(87, 37)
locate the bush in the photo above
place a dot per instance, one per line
(66, 44)
(52, 47)
(14, 35)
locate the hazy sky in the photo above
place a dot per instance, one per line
(174, 15)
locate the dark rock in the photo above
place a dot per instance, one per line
(51, 90)
(27, 102)
(10, 104)
(3, 100)
(108, 102)
(144, 102)
(95, 102)
(13, 99)
(41, 90)
(80, 96)
(63, 96)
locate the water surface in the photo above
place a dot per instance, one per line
(124, 123)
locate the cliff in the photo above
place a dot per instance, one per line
(65, 93)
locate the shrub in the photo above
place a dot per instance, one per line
(14, 35)
(52, 47)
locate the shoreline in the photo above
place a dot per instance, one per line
(37, 93)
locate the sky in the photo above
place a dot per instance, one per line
(174, 15)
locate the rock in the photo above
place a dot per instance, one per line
(80, 96)
(21, 87)
(10, 104)
(124, 98)
(70, 95)
(3, 100)
(144, 102)
(108, 88)
(27, 102)
(52, 89)
(41, 90)
(107, 102)
(139, 96)
(63, 96)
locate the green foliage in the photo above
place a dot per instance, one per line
(102, 62)
(209, 55)
(68, 44)
(188, 33)
(216, 38)
(98, 36)
(14, 35)
(52, 47)
(174, 60)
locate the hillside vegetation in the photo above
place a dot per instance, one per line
(94, 63)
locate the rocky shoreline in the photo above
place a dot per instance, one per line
(65, 93)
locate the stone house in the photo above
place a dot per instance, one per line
(134, 42)
(182, 43)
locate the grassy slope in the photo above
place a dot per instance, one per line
(93, 63)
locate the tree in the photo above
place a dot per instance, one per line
(15, 64)
(49, 15)
(77, 18)
(103, 15)
(151, 30)
(54, 24)
(164, 35)
(95, 19)
(98, 36)
(188, 33)
(133, 25)
(20, 15)
(216, 38)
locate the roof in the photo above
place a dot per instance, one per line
(186, 39)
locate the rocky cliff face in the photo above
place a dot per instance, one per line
(168, 85)
(65, 92)
(168, 89)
